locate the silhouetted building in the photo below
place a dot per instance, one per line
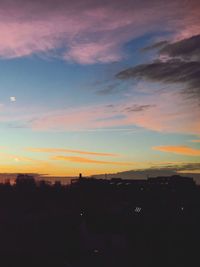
(173, 181)
(25, 181)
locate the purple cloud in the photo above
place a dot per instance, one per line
(88, 31)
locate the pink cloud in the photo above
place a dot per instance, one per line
(88, 31)
(90, 53)
(170, 114)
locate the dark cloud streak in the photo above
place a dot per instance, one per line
(181, 67)
(138, 108)
(187, 49)
(155, 46)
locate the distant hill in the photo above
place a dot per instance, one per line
(151, 172)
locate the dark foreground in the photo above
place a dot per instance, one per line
(100, 223)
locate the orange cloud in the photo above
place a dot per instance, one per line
(55, 150)
(181, 150)
(165, 116)
(195, 141)
(86, 160)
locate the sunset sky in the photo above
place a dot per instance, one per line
(99, 86)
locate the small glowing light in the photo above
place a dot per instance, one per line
(81, 213)
(96, 251)
(138, 209)
(13, 99)
(182, 208)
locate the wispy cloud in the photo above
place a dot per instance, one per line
(88, 31)
(177, 66)
(181, 150)
(16, 158)
(138, 108)
(86, 160)
(181, 65)
(165, 116)
(177, 116)
(56, 150)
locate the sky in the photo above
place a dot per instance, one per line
(99, 86)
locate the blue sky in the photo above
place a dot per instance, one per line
(82, 87)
